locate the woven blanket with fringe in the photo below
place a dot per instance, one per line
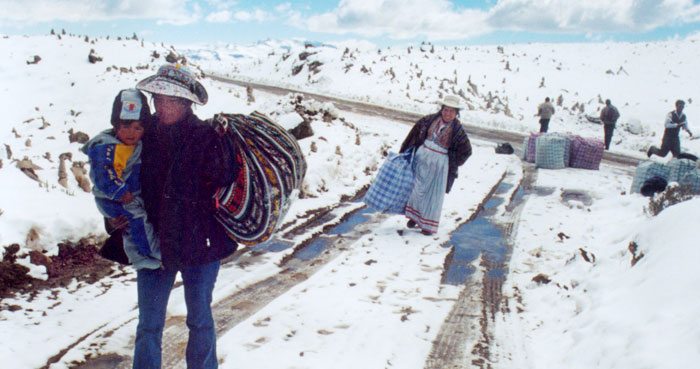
(272, 167)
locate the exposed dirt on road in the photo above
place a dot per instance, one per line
(75, 261)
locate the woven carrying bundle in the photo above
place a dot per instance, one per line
(586, 153)
(552, 152)
(678, 168)
(272, 166)
(646, 170)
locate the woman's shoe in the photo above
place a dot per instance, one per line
(411, 224)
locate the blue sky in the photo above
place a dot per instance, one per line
(383, 22)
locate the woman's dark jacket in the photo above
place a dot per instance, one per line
(459, 151)
(182, 166)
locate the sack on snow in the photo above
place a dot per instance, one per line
(392, 187)
(646, 170)
(532, 147)
(526, 142)
(692, 181)
(272, 166)
(586, 153)
(678, 168)
(504, 148)
(551, 151)
(653, 185)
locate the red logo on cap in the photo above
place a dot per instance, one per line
(131, 107)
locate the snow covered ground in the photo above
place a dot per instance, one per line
(380, 302)
(501, 85)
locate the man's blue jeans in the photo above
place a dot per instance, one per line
(153, 292)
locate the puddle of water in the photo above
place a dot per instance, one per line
(481, 236)
(493, 203)
(359, 217)
(503, 188)
(314, 249)
(543, 191)
(272, 245)
(317, 246)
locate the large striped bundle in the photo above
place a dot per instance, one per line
(678, 168)
(552, 151)
(646, 170)
(586, 153)
(271, 167)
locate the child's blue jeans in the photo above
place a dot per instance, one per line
(140, 242)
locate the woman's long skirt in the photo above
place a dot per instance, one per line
(425, 203)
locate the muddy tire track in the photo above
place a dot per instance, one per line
(237, 307)
(471, 320)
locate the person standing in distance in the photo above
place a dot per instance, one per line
(183, 164)
(609, 116)
(545, 112)
(671, 141)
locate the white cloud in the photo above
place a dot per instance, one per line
(219, 17)
(177, 12)
(222, 4)
(401, 19)
(284, 7)
(256, 15)
(596, 16)
(443, 19)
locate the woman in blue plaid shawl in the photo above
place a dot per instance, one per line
(441, 145)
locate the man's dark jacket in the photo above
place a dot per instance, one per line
(459, 151)
(182, 166)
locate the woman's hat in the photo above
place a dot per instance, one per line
(175, 80)
(452, 101)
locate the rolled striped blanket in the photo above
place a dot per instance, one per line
(272, 166)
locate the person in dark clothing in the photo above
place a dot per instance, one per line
(441, 145)
(545, 112)
(183, 164)
(671, 141)
(609, 116)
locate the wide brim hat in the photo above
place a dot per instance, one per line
(451, 101)
(175, 80)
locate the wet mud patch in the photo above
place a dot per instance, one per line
(75, 260)
(576, 198)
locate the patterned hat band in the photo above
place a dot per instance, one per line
(175, 80)
(178, 76)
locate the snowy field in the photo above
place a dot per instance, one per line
(380, 303)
